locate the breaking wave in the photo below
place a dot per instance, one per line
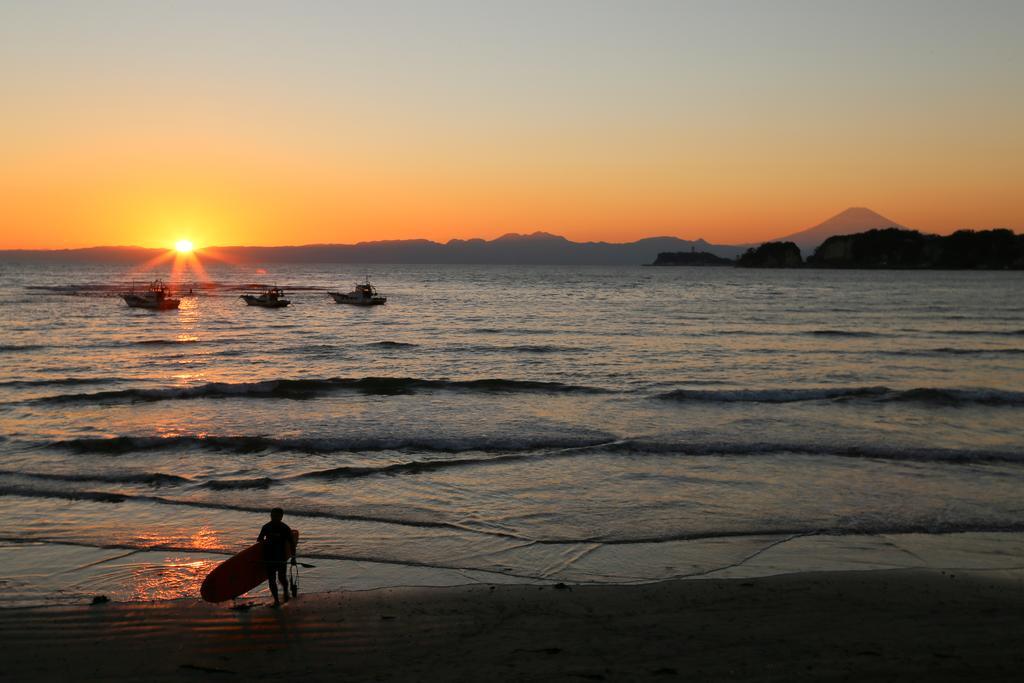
(896, 453)
(952, 351)
(505, 450)
(387, 344)
(929, 396)
(149, 478)
(516, 348)
(238, 484)
(679, 449)
(416, 467)
(509, 330)
(166, 342)
(312, 388)
(60, 381)
(844, 333)
(118, 445)
(13, 348)
(959, 397)
(986, 333)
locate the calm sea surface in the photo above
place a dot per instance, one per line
(577, 424)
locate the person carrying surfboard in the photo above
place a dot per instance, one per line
(276, 539)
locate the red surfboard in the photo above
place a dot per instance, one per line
(238, 574)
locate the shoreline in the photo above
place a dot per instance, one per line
(74, 574)
(868, 625)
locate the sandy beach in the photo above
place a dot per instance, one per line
(877, 625)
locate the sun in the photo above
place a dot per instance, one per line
(183, 246)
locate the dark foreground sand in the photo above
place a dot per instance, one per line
(827, 626)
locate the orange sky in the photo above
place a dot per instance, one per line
(130, 124)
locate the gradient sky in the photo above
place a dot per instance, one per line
(291, 123)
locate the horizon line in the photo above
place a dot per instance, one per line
(510, 235)
(356, 244)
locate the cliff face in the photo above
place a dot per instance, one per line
(690, 258)
(772, 255)
(896, 248)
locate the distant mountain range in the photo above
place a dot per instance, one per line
(539, 248)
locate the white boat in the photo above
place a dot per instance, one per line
(364, 294)
(270, 298)
(156, 297)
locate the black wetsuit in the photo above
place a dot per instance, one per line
(276, 538)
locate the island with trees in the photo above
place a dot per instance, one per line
(691, 258)
(898, 248)
(771, 255)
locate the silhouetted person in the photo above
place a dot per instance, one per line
(276, 537)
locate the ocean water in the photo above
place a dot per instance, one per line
(595, 424)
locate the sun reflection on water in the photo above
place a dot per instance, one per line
(205, 539)
(148, 573)
(176, 577)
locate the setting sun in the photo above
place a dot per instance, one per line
(183, 246)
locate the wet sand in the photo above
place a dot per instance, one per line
(877, 625)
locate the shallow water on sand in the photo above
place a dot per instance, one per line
(604, 424)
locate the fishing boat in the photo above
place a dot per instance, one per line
(156, 297)
(270, 298)
(364, 294)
